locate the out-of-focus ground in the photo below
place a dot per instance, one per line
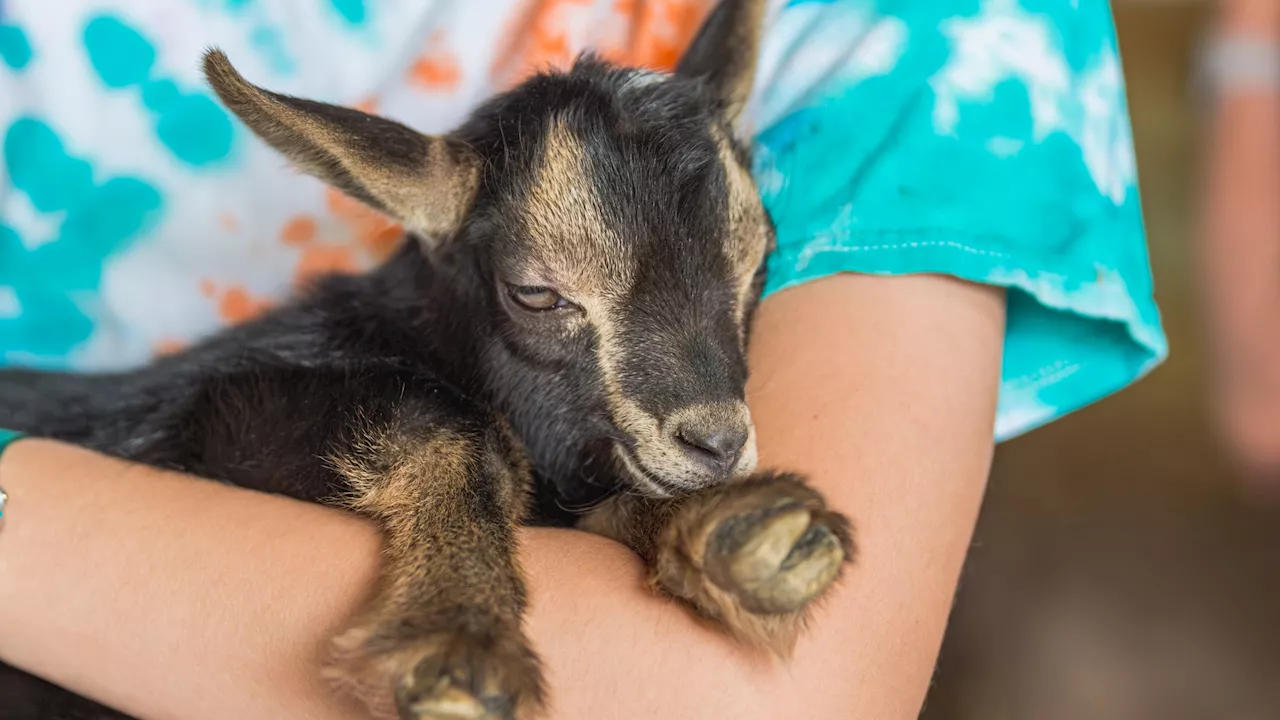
(1118, 573)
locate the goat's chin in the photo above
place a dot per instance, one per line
(646, 483)
(640, 479)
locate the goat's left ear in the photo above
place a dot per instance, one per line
(724, 53)
(425, 182)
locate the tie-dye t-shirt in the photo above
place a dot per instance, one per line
(986, 139)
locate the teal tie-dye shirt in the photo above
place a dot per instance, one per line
(986, 139)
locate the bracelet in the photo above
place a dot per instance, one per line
(7, 438)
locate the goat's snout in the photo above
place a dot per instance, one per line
(709, 443)
(715, 444)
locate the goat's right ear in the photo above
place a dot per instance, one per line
(426, 183)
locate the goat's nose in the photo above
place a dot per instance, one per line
(718, 446)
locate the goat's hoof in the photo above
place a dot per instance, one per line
(777, 549)
(754, 555)
(466, 676)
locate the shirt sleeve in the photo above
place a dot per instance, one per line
(992, 145)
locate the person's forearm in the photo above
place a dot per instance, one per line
(1239, 243)
(169, 597)
(882, 389)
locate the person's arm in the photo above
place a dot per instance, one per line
(1239, 246)
(192, 600)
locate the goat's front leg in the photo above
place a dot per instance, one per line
(751, 555)
(443, 634)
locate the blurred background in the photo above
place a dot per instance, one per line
(1122, 568)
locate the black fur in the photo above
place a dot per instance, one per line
(261, 405)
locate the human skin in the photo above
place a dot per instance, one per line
(1238, 255)
(171, 597)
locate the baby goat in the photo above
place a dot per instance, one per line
(565, 329)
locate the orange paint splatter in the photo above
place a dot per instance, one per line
(437, 68)
(551, 51)
(340, 204)
(236, 305)
(324, 260)
(228, 222)
(364, 237)
(382, 243)
(661, 31)
(537, 38)
(299, 230)
(368, 105)
(168, 346)
(369, 227)
(649, 33)
(435, 72)
(684, 17)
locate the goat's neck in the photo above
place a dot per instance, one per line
(445, 304)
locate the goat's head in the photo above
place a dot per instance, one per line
(613, 217)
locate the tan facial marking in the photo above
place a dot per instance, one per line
(575, 249)
(748, 226)
(565, 226)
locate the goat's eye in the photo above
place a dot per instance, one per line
(538, 299)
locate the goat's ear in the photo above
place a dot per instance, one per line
(724, 53)
(426, 183)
